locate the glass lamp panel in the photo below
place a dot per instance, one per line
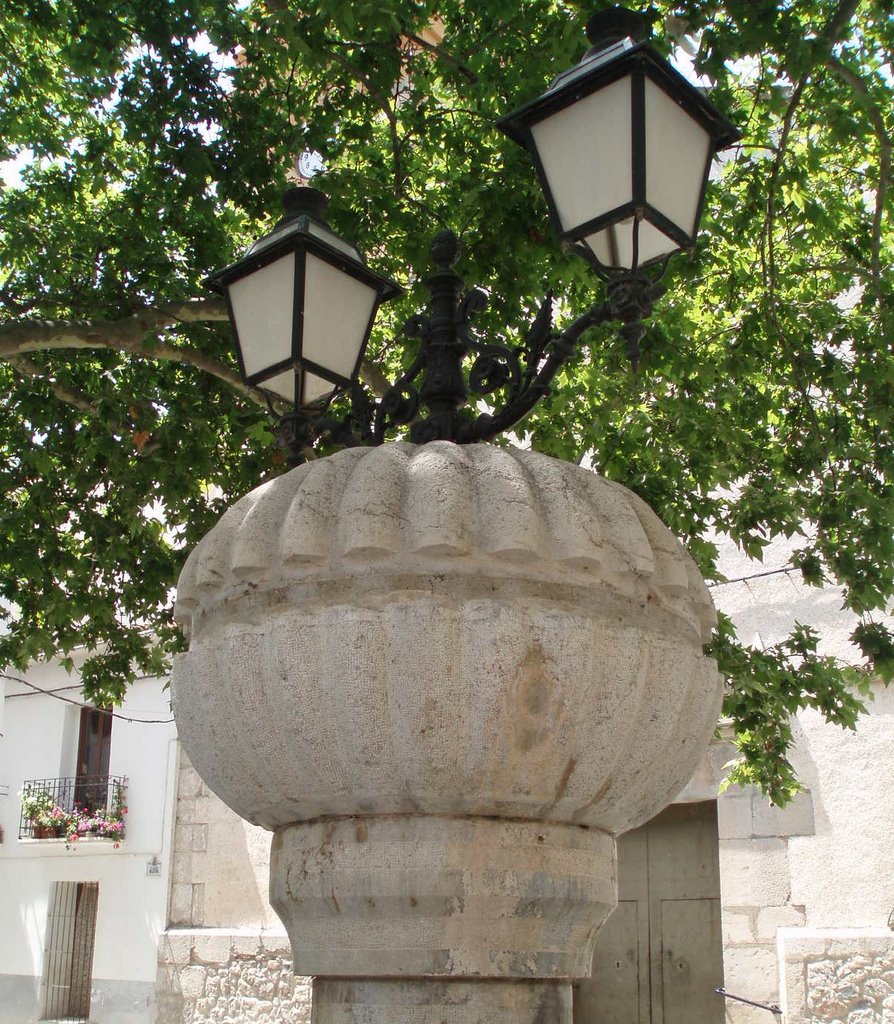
(283, 384)
(601, 245)
(314, 387)
(677, 149)
(613, 246)
(585, 154)
(262, 314)
(337, 311)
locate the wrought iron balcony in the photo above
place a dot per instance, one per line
(75, 808)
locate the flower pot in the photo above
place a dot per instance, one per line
(46, 831)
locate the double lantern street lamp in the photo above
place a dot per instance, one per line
(623, 146)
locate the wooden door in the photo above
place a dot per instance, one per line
(659, 956)
(68, 951)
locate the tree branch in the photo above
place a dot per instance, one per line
(26, 368)
(827, 38)
(768, 247)
(440, 53)
(838, 21)
(373, 376)
(385, 106)
(21, 336)
(129, 335)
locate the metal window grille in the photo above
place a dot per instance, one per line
(68, 953)
(103, 795)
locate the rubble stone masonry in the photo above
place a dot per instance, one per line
(218, 976)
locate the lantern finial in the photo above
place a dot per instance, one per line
(303, 200)
(615, 23)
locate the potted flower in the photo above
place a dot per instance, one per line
(103, 823)
(37, 807)
(54, 822)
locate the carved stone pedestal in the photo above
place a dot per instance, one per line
(422, 896)
(445, 677)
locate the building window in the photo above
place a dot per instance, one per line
(94, 749)
(68, 953)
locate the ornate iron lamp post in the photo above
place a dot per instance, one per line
(623, 145)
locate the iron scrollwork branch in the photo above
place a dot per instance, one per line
(435, 383)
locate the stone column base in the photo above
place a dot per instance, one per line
(420, 896)
(439, 1001)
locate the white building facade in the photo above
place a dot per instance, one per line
(80, 921)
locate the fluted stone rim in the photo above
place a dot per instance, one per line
(442, 508)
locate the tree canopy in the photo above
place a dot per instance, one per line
(148, 143)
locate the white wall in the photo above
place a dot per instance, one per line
(788, 876)
(844, 874)
(768, 601)
(39, 741)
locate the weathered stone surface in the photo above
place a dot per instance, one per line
(499, 634)
(795, 819)
(363, 1001)
(734, 816)
(738, 927)
(181, 904)
(243, 986)
(771, 919)
(754, 872)
(432, 896)
(192, 982)
(212, 948)
(750, 971)
(175, 947)
(446, 676)
(837, 975)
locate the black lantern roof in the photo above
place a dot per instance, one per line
(302, 226)
(612, 57)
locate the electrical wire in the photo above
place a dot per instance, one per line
(754, 576)
(81, 704)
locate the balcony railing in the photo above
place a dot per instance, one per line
(76, 808)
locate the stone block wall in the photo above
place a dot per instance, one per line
(756, 894)
(845, 975)
(211, 970)
(220, 863)
(217, 976)
(186, 905)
